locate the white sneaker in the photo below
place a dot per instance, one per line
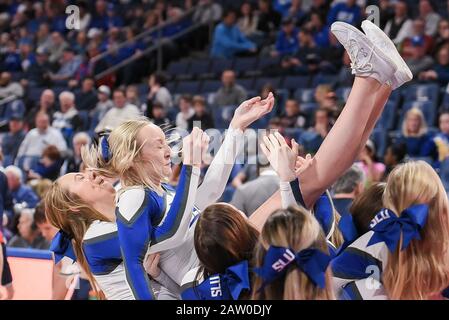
(381, 40)
(367, 60)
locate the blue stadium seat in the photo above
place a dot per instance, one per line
(210, 86)
(324, 79)
(191, 87)
(34, 93)
(294, 133)
(242, 65)
(304, 95)
(260, 82)
(171, 86)
(263, 122)
(199, 67)
(428, 108)
(219, 65)
(178, 67)
(388, 116)
(222, 116)
(265, 62)
(295, 82)
(246, 83)
(309, 108)
(422, 92)
(343, 93)
(380, 139)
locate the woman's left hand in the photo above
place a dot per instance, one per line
(151, 265)
(252, 110)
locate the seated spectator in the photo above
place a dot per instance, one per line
(348, 187)
(159, 117)
(399, 27)
(121, 112)
(345, 76)
(293, 117)
(49, 166)
(416, 49)
(414, 132)
(14, 107)
(11, 60)
(320, 7)
(347, 11)
(296, 12)
(326, 98)
(438, 146)
(228, 40)
(29, 235)
(442, 38)
(56, 47)
(103, 105)
(20, 192)
(67, 120)
(251, 195)
(374, 170)
(27, 54)
(37, 139)
(185, 112)
(12, 140)
(248, 20)
(132, 96)
(8, 88)
(207, 13)
(394, 155)
(269, 19)
(320, 31)
(282, 6)
(47, 230)
(69, 65)
(321, 127)
(201, 118)
(73, 162)
(440, 70)
(87, 98)
(158, 92)
(38, 74)
(431, 18)
(230, 93)
(47, 105)
(41, 186)
(287, 40)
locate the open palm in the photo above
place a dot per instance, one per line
(252, 110)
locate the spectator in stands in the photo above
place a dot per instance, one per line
(431, 18)
(73, 162)
(11, 60)
(12, 140)
(416, 49)
(322, 125)
(49, 166)
(85, 16)
(158, 92)
(231, 93)
(38, 74)
(159, 117)
(320, 31)
(47, 104)
(8, 88)
(325, 97)
(29, 235)
(207, 13)
(348, 187)
(121, 112)
(20, 192)
(67, 120)
(374, 170)
(27, 55)
(438, 146)
(347, 11)
(228, 41)
(293, 117)
(345, 77)
(399, 27)
(251, 195)
(287, 40)
(248, 20)
(47, 230)
(201, 118)
(394, 155)
(386, 13)
(56, 47)
(69, 65)
(320, 7)
(296, 12)
(87, 98)
(269, 19)
(440, 70)
(414, 132)
(442, 37)
(100, 18)
(14, 107)
(185, 112)
(132, 95)
(103, 105)
(43, 37)
(39, 138)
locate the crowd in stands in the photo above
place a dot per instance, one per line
(52, 103)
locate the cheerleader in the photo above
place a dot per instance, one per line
(141, 172)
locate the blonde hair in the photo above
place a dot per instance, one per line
(67, 212)
(297, 229)
(423, 125)
(126, 161)
(422, 268)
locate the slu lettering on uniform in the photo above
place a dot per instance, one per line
(279, 265)
(204, 311)
(215, 286)
(381, 216)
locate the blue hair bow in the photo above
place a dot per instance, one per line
(105, 150)
(313, 262)
(387, 226)
(62, 247)
(347, 228)
(226, 286)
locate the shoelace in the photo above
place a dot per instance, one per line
(356, 66)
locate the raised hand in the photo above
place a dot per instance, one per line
(282, 158)
(194, 147)
(252, 110)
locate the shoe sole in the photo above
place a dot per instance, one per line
(377, 32)
(344, 25)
